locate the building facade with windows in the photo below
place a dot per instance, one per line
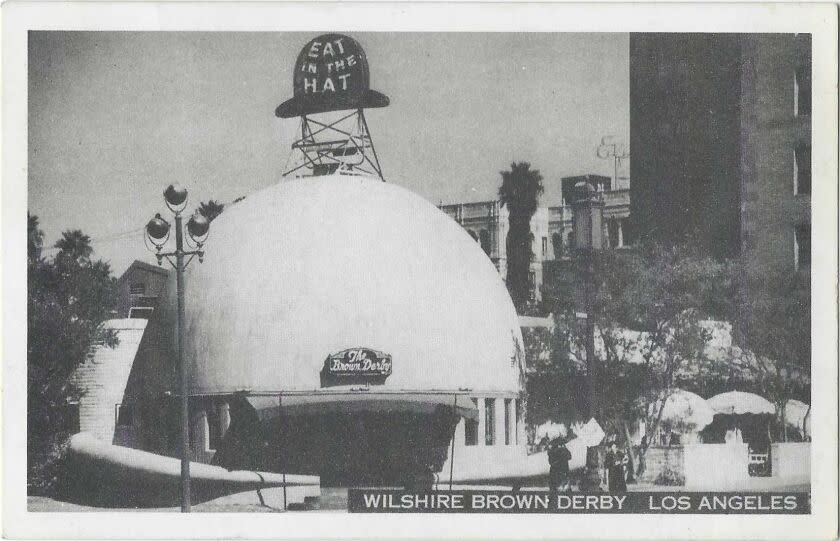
(720, 134)
(551, 226)
(140, 287)
(776, 152)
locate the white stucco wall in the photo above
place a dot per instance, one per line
(102, 379)
(791, 460)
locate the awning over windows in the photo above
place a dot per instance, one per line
(268, 407)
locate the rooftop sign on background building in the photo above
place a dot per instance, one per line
(331, 74)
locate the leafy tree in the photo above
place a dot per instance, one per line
(774, 354)
(34, 239)
(555, 378)
(211, 209)
(74, 246)
(557, 244)
(520, 191)
(69, 297)
(651, 309)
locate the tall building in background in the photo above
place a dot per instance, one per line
(775, 145)
(684, 133)
(551, 226)
(720, 136)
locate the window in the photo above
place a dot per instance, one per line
(489, 421)
(544, 247)
(137, 289)
(507, 421)
(802, 170)
(802, 245)
(802, 91)
(471, 429)
(125, 414)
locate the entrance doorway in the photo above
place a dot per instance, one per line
(381, 448)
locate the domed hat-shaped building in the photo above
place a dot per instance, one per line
(355, 319)
(309, 268)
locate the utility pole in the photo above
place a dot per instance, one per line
(610, 149)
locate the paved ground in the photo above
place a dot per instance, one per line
(753, 484)
(40, 504)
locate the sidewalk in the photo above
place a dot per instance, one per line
(40, 504)
(753, 484)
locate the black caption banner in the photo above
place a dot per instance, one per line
(505, 501)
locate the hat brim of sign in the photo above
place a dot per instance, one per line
(316, 103)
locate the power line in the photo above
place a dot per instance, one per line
(123, 235)
(111, 237)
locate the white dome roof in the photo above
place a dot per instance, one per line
(314, 266)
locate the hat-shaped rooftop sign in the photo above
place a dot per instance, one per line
(331, 74)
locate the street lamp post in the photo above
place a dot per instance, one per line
(587, 223)
(158, 232)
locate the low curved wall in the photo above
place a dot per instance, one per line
(107, 475)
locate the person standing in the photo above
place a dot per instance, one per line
(615, 463)
(558, 461)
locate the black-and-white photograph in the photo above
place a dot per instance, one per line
(410, 272)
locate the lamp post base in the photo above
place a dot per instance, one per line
(591, 479)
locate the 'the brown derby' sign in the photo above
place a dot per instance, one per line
(356, 365)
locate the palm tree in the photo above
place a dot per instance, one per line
(34, 237)
(211, 209)
(74, 246)
(520, 191)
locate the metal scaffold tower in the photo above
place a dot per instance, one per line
(342, 146)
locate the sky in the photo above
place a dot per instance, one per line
(114, 117)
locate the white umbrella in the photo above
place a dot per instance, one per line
(591, 433)
(739, 403)
(685, 410)
(797, 414)
(550, 429)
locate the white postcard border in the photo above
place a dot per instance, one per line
(820, 20)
